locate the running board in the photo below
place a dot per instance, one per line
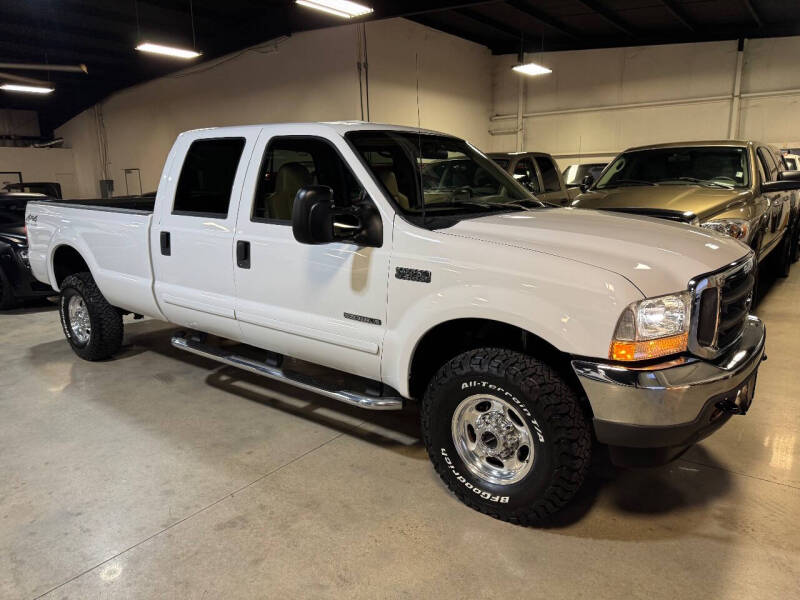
(360, 399)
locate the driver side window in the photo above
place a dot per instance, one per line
(291, 163)
(525, 173)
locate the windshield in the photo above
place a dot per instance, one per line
(436, 175)
(712, 166)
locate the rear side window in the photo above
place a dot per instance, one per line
(549, 174)
(206, 180)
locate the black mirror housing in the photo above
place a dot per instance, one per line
(786, 185)
(789, 176)
(312, 221)
(587, 182)
(316, 219)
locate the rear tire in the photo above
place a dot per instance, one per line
(507, 434)
(91, 325)
(7, 299)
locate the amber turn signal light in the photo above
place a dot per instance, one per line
(644, 350)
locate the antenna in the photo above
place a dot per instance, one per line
(419, 143)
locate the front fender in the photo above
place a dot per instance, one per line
(572, 306)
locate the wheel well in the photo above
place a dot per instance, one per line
(449, 339)
(67, 261)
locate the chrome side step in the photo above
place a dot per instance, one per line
(185, 342)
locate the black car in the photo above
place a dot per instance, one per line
(16, 280)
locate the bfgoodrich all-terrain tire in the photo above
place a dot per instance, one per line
(92, 326)
(507, 434)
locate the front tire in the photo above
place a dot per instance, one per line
(91, 325)
(507, 434)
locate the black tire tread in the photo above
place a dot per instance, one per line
(555, 401)
(107, 327)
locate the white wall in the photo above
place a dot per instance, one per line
(311, 76)
(41, 164)
(596, 85)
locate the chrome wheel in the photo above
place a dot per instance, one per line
(492, 439)
(79, 323)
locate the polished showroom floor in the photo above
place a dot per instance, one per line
(162, 475)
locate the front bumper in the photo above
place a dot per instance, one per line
(672, 405)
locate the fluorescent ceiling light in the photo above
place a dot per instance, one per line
(340, 8)
(29, 89)
(167, 50)
(532, 69)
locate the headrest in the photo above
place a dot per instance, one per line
(292, 175)
(389, 179)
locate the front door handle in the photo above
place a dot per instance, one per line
(166, 245)
(243, 254)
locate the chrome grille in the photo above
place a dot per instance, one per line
(722, 302)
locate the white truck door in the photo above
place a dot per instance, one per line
(192, 236)
(327, 303)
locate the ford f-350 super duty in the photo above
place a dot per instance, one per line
(525, 331)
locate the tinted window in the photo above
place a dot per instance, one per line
(503, 162)
(525, 173)
(549, 174)
(206, 181)
(292, 163)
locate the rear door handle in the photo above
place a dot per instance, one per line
(166, 245)
(243, 254)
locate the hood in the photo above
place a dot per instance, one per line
(702, 202)
(657, 256)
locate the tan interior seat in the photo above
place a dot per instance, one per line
(290, 178)
(389, 179)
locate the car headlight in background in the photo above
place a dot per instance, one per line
(24, 256)
(736, 228)
(652, 328)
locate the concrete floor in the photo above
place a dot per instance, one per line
(162, 475)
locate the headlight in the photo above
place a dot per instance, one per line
(653, 327)
(736, 228)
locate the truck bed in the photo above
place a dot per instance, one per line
(111, 235)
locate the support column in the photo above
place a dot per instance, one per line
(733, 122)
(520, 113)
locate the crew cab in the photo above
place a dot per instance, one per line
(537, 171)
(739, 188)
(523, 330)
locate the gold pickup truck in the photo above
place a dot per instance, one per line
(739, 188)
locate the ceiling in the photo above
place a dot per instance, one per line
(102, 33)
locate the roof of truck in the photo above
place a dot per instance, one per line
(697, 144)
(340, 127)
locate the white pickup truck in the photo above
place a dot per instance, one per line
(525, 331)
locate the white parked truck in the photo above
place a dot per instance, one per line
(525, 331)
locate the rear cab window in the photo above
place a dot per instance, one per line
(207, 178)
